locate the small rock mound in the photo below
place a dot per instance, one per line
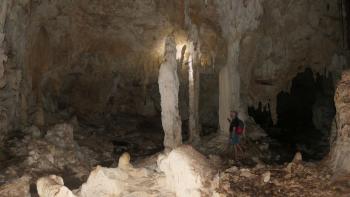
(53, 186)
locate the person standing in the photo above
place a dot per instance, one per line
(236, 131)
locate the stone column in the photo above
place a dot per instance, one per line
(224, 99)
(229, 88)
(193, 78)
(193, 92)
(168, 82)
(236, 19)
(340, 149)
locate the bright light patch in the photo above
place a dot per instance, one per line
(179, 50)
(190, 70)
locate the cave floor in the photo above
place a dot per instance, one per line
(142, 139)
(139, 136)
(293, 179)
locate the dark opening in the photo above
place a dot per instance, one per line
(209, 103)
(305, 117)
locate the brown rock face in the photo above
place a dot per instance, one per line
(16, 188)
(341, 147)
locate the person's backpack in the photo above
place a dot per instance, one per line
(239, 128)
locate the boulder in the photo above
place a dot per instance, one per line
(266, 177)
(16, 188)
(104, 182)
(188, 173)
(53, 186)
(297, 157)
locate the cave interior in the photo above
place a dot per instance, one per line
(149, 84)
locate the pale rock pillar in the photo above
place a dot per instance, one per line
(340, 147)
(193, 78)
(193, 104)
(224, 99)
(236, 19)
(168, 82)
(193, 92)
(229, 88)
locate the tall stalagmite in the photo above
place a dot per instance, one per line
(341, 147)
(169, 90)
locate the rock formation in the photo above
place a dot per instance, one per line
(169, 89)
(53, 186)
(113, 68)
(16, 188)
(245, 15)
(188, 173)
(183, 172)
(340, 149)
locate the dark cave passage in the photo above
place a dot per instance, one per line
(305, 117)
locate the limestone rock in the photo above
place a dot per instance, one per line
(56, 150)
(104, 182)
(188, 173)
(124, 161)
(340, 150)
(61, 135)
(266, 177)
(246, 17)
(16, 188)
(168, 82)
(297, 157)
(53, 186)
(246, 173)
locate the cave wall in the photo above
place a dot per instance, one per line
(292, 36)
(92, 58)
(269, 42)
(10, 78)
(3, 58)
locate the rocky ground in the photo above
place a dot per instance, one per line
(71, 150)
(293, 179)
(66, 151)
